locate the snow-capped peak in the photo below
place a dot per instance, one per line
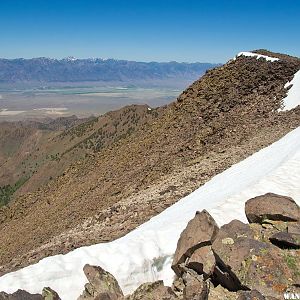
(71, 58)
(258, 56)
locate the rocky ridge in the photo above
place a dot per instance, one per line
(237, 261)
(227, 115)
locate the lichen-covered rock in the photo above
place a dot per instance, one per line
(20, 295)
(200, 231)
(247, 263)
(101, 286)
(153, 291)
(49, 294)
(273, 207)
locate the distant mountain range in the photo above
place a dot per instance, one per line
(47, 70)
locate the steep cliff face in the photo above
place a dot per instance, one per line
(227, 115)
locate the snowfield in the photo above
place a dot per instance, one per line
(293, 96)
(258, 56)
(145, 254)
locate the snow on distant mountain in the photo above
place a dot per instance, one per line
(145, 254)
(71, 69)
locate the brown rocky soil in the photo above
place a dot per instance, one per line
(227, 115)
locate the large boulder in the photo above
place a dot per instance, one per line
(153, 291)
(200, 232)
(245, 263)
(273, 207)
(101, 286)
(20, 295)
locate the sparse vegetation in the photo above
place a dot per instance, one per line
(7, 191)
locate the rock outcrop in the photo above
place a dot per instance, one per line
(241, 261)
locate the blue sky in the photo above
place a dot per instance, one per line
(147, 30)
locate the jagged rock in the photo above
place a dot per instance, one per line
(49, 294)
(250, 295)
(202, 261)
(220, 293)
(200, 231)
(286, 240)
(273, 207)
(195, 287)
(20, 295)
(153, 291)
(102, 285)
(247, 264)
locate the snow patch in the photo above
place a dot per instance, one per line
(292, 99)
(145, 254)
(258, 56)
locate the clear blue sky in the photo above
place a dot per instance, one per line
(148, 30)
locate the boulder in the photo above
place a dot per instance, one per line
(101, 286)
(273, 207)
(20, 295)
(49, 294)
(202, 261)
(244, 263)
(195, 287)
(286, 240)
(200, 232)
(153, 291)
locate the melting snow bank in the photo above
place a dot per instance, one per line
(293, 96)
(258, 56)
(145, 254)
